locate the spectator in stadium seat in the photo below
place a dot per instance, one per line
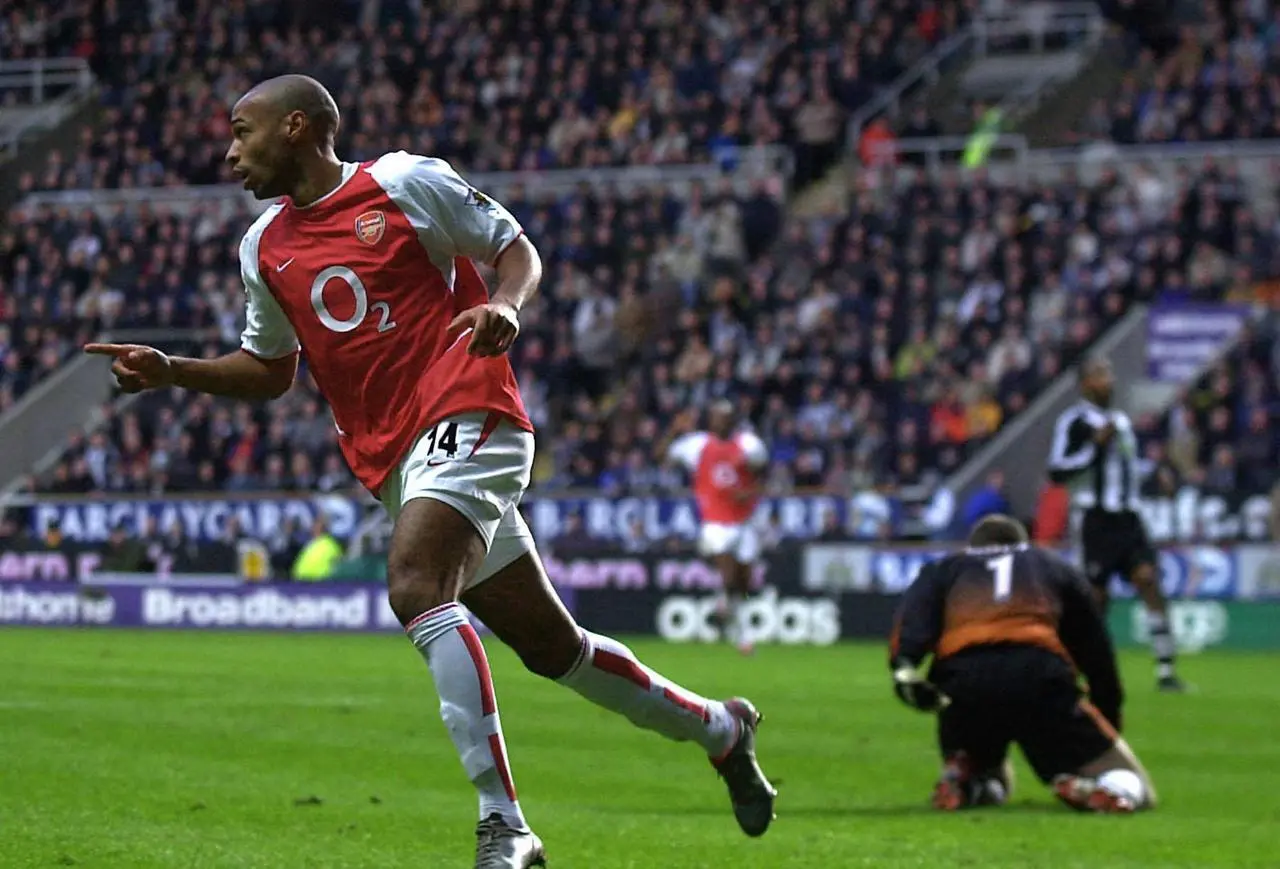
(1053, 512)
(319, 556)
(987, 500)
(124, 553)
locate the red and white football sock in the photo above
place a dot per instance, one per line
(608, 674)
(468, 706)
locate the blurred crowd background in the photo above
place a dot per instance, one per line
(877, 342)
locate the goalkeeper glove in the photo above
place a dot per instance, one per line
(916, 691)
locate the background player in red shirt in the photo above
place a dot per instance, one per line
(366, 269)
(725, 464)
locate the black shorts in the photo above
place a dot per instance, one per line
(1114, 543)
(1018, 694)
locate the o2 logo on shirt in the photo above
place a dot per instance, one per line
(724, 475)
(352, 280)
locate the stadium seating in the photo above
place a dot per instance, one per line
(634, 85)
(1221, 438)
(1221, 81)
(872, 348)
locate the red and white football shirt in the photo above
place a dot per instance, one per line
(366, 281)
(722, 469)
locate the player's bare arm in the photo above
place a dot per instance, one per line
(235, 375)
(495, 325)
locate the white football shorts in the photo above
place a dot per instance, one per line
(742, 541)
(480, 466)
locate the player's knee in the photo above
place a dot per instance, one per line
(552, 654)
(413, 589)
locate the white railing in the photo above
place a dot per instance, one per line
(1012, 159)
(753, 162)
(1031, 26)
(48, 89)
(928, 71)
(44, 78)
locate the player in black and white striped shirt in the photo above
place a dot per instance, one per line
(1095, 451)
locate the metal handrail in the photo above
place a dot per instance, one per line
(43, 72)
(927, 69)
(1061, 18)
(1073, 17)
(71, 76)
(624, 178)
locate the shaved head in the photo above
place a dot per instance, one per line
(286, 94)
(282, 139)
(1096, 380)
(1095, 365)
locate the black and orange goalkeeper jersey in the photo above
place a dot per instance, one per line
(1001, 595)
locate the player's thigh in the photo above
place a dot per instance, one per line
(513, 596)
(747, 547)
(1102, 550)
(448, 497)
(977, 721)
(979, 735)
(1064, 732)
(434, 551)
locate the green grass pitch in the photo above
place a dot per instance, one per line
(212, 751)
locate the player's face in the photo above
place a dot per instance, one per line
(1101, 385)
(720, 423)
(259, 152)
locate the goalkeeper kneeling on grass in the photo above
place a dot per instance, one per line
(1008, 625)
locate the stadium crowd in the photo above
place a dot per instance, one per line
(1221, 438)
(874, 348)
(516, 85)
(1219, 80)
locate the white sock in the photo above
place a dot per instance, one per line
(733, 627)
(608, 674)
(1162, 645)
(468, 706)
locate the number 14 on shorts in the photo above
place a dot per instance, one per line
(442, 443)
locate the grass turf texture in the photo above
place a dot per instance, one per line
(121, 749)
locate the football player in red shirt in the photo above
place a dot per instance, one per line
(366, 269)
(725, 463)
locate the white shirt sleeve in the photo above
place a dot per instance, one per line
(451, 216)
(686, 450)
(754, 449)
(267, 334)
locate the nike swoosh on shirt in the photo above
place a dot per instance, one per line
(436, 464)
(284, 265)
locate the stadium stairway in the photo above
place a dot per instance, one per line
(48, 125)
(1054, 120)
(1024, 442)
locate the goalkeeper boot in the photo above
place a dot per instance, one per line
(952, 792)
(1084, 795)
